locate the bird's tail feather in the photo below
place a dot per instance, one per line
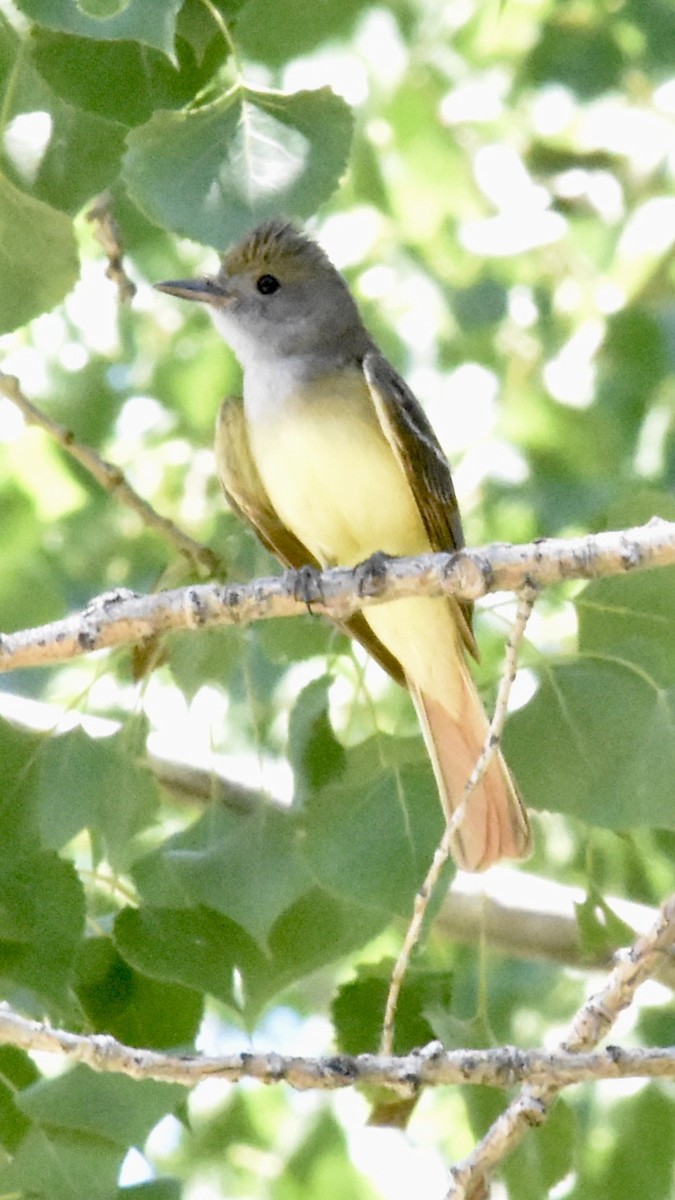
(495, 823)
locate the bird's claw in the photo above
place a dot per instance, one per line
(307, 586)
(371, 573)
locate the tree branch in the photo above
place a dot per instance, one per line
(118, 619)
(111, 479)
(526, 916)
(544, 1074)
(592, 1022)
(107, 232)
(431, 1066)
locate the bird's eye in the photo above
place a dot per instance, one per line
(267, 284)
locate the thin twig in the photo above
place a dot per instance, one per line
(526, 599)
(468, 574)
(108, 234)
(431, 1066)
(111, 479)
(592, 1022)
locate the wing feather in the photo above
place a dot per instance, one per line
(420, 456)
(246, 494)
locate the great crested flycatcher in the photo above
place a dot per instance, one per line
(330, 458)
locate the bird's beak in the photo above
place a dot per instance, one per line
(206, 290)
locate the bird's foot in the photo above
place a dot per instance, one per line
(371, 573)
(307, 586)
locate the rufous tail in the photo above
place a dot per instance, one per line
(495, 823)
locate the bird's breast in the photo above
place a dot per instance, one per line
(328, 469)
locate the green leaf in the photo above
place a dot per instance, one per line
(358, 1008)
(101, 784)
(654, 21)
(17, 800)
(38, 257)
(366, 176)
(632, 618)
(248, 867)
(358, 1013)
(214, 655)
(82, 159)
(317, 930)
(137, 1010)
(102, 9)
(601, 932)
(597, 741)
(304, 637)
(372, 833)
(95, 75)
(112, 1107)
(212, 173)
(82, 152)
(273, 33)
(61, 1165)
(194, 947)
(642, 1160)
(150, 24)
(313, 749)
(483, 303)
(196, 25)
(152, 1189)
(608, 718)
(584, 57)
(202, 950)
(41, 923)
(636, 356)
(17, 1071)
(31, 588)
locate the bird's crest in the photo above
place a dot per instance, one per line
(275, 244)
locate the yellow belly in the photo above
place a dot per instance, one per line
(336, 483)
(333, 478)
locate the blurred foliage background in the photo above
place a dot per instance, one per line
(496, 182)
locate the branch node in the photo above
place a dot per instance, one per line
(371, 574)
(342, 1067)
(196, 611)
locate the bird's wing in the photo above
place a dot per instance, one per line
(246, 494)
(424, 464)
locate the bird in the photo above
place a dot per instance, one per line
(331, 459)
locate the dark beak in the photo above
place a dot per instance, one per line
(206, 290)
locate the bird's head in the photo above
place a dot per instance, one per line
(278, 294)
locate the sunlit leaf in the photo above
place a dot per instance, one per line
(96, 784)
(114, 1107)
(247, 867)
(371, 832)
(272, 33)
(61, 1165)
(41, 923)
(598, 742)
(38, 257)
(211, 173)
(150, 24)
